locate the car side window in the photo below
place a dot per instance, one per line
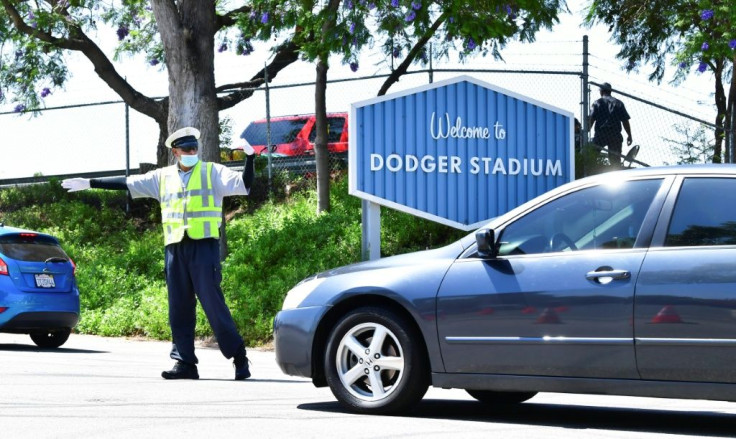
(704, 214)
(335, 126)
(598, 217)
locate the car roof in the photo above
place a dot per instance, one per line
(298, 117)
(9, 230)
(625, 174)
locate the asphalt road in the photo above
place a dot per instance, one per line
(94, 387)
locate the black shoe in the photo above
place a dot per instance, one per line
(181, 371)
(240, 361)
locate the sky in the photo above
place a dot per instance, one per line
(94, 138)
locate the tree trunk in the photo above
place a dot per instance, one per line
(187, 34)
(163, 154)
(720, 113)
(321, 154)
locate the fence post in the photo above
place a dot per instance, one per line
(431, 72)
(586, 95)
(268, 127)
(127, 153)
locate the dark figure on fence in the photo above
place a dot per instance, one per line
(190, 193)
(608, 114)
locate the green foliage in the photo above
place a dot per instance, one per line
(400, 27)
(590, 161)
(694, 146)
(272, 246)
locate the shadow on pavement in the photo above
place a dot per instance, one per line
(31, 348)
(700, 424)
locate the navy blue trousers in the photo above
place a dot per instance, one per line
(193, 271)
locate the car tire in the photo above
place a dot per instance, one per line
(51, 339)
(500, 398)
(355, 363)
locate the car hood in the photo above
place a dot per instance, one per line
(451, 251)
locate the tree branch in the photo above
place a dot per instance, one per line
(102, 65)
(287, 54)
(230, 17)
(412, 55)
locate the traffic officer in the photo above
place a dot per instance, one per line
(190, 193)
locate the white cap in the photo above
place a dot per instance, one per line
(187, 135)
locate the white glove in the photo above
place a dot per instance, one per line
(75, 184)
(247, 149)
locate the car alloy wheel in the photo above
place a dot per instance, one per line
(373, 362)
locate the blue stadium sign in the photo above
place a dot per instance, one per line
(458, 152)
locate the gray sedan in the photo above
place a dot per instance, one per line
(622, 283)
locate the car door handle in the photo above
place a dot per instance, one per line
(606, 274)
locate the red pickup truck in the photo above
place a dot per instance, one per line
(295, 135)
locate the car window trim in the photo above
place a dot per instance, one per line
(646, 232)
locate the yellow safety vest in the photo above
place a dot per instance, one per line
(192, 209)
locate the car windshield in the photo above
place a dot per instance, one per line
(282, 131)
(30, 247)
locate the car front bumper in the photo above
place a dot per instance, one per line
(293, 334)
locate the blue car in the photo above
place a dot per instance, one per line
(622, 283)
(38, 290)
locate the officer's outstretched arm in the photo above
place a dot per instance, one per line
(249, 168)
(80, 184)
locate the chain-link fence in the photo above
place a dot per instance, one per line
(665, 136)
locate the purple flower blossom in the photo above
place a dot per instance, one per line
(394, 3)
(396, 52)
(349, 4)
(732, 44)
(354, 66)
(452, 19)
(509, 11)
(471, 44)
(19, 108)
(702, 67)
(416, 5)
(264, 18)
(371, 6)
(45, 92)
(683, 65)
(154, 62)
(352, 28)
(705, 46)
(32, 19)
(222, 48)
(410, 16)
(252, 15)
(122, 33)
(707, 14)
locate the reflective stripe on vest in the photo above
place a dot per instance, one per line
(192, 209)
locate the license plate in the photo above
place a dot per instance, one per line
(45, 281)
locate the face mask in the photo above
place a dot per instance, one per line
(188, 160)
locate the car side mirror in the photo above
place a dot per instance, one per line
(486, 240)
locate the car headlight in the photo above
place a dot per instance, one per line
(296, 295)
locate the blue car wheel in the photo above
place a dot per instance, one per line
(51, 339)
